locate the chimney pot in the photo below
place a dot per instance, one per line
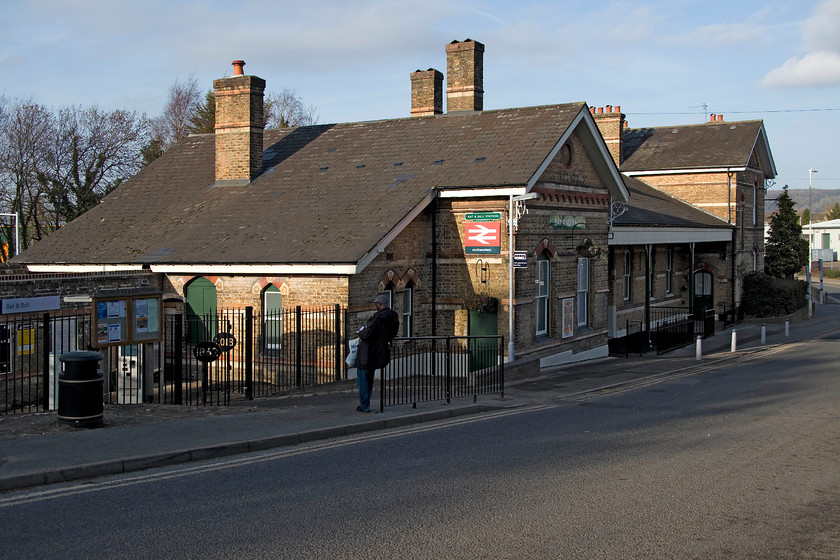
(609, 108)
(618, 108)
(713, 117)
(237, 67)
(592, 110)
(720, 118)
(600, 110)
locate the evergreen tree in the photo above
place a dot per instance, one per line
(833, 212)
(786, 251)
(806, 216)
(203, 119)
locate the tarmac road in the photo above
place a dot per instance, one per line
(135, 439)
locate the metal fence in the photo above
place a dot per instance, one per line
(682, 329)
(30, 351)
(732, 315)
(635, 340)
(438, 368)
(258, 355)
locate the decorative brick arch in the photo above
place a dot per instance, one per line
(262, 283)
(704, 266)
(546, 246)
(390, 278)
(410, 277)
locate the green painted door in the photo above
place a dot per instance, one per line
(483, 353)
(201, 309)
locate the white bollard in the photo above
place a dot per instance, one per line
(787, 328)
(763, 333)
(733, 347)
(699, 348)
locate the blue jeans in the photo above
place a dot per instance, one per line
(364, 380)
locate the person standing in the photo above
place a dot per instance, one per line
(374, 350)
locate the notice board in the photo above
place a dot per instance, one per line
(127, 319)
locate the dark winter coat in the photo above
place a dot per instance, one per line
(375, 340)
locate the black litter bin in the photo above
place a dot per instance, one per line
(80, 389)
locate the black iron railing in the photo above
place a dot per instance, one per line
(260, 355)
(682, 330)
(441, 368)
(30, 352)
(257, 356)
(732, 315)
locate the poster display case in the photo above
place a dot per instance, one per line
(127, 319)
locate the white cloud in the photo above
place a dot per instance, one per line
(821, 32)
(814, 69)
(820, 65)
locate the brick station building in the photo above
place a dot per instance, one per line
(423, 208)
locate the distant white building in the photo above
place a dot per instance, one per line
(825, 237)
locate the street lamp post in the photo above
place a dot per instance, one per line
(512, 219)
(810, 237)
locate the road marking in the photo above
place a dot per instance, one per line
(220, 464)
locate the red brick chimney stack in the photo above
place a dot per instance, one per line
(426, 93)
(464, 76)
(239, 126)
(611, 123)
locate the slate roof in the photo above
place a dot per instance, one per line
(701, 146)
(651, 208)
(328, 193)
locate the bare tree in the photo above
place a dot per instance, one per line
(93, 152)
(181, 103)
(286, 109)
(24, 146)
(54, 166)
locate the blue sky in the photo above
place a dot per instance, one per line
(663, 62)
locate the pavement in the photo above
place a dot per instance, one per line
(330, 413)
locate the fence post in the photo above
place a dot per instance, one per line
(339, 347)
(178, 358)
(448, 370)
(698, 351)
(502, 363)
(249, 353)
(46, 363)
(298, 349)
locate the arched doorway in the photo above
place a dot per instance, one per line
(201, 307)
(272, 318)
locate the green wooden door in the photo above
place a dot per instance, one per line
(201, 309)
(483, 353)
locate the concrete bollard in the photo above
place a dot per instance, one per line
(699, 348)
(787, 328)
(763, 333)
(733, 347)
